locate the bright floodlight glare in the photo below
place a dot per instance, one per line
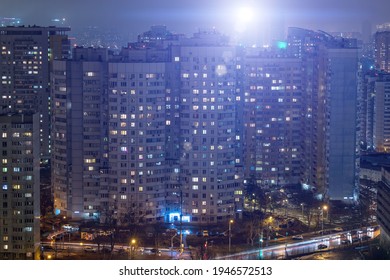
(244, 14)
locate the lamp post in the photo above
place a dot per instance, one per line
(285, 207)
(302, 212)
(181, 223)
(132, 248)
(172, 244)
(327, 212)
(322, 214)
(230, 233)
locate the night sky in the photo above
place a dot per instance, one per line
(184, 16)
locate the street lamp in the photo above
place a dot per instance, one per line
(132, 248)
(322, 214)
(327, 212)
(172, 244)
(230, 234)
(302, 212)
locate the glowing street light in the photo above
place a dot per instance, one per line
(133, 242)
(231, 221)
(325, 207)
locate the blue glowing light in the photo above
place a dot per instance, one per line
(281, 45)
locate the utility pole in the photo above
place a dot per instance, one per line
(181, 222)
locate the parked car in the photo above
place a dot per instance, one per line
(345, 241)
(297, 237)
(322, 246)
(89, 249)
(106, 250)
(156, 252)
(365, 237)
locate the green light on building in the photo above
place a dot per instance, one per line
(281, 45)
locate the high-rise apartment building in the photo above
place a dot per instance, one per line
(381, 117)
(137, 95)
(274, 99)
(19, 186)
(169, 130)
(382, 47)
(162, 147)
(342, 100)
(26, 57)
(310, 47)
(80, 134)
(210, 184)
(330, 67)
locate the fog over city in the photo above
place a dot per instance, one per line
(186, 17)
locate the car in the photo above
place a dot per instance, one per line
(140, 249)
(297, 237)
(322, 246)
(345, 241)
(89, 249)
(47, 248)
(106, 250)
(355, 239)
(155, 251)
(366, 237)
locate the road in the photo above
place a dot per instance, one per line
(62, 249)
(296, 248)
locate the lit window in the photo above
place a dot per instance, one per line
(140, 189)
(90, 74)
(195, 211)
(123, 196)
